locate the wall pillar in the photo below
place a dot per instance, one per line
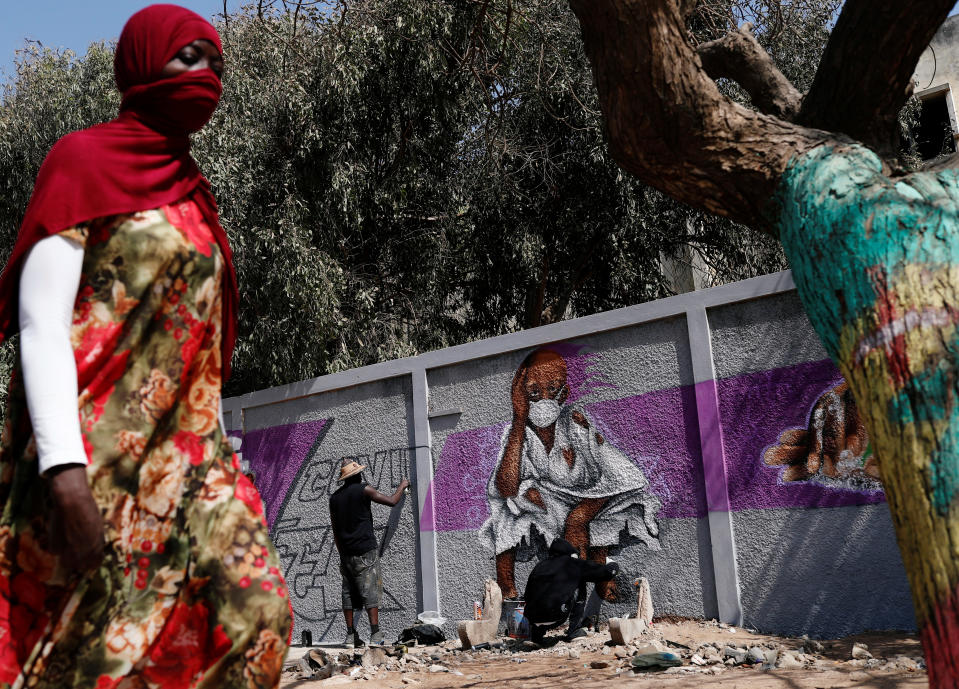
(422, 482)
(721, 534)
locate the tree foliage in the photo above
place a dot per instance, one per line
(402, 175)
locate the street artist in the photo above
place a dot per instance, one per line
(352, 524)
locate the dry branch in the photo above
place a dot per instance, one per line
(667, 121)
(738, 56)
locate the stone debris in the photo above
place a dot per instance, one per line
(649, 653)
(737, 656)
(373, 657)
(789, 661)
(649, 646)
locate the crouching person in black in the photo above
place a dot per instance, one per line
(556, 590)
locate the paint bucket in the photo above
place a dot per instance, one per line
(517, 626)
(307, 637)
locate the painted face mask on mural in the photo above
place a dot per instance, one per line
(544, 412)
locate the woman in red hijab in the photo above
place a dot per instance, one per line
(133, 551)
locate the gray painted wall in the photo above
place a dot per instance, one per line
(694, 391)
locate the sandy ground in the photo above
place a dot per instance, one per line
(574, 664)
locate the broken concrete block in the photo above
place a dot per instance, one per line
(622, 630)
(473, 632)
(650, 646)
(373, 657)
(861, 652)
(737, 655)
(789, 661)
(644, 601)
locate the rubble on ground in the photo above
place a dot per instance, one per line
(652, 652)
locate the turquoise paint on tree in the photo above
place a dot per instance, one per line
(874, 261)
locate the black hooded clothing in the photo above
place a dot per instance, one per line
(553, 584)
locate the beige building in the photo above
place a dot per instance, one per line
(937, 79)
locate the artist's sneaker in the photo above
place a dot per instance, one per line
(353, 640)
(377, 639)
(576, 634)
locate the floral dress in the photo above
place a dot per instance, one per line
(189, 592)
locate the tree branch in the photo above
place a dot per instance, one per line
(865, 75)
(667, 122)
(738, 56)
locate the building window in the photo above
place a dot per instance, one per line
(934, 135)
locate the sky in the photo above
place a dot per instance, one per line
(75, 24)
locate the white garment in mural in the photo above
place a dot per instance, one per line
(599, 471)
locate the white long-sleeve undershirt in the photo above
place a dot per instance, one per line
(49, 281)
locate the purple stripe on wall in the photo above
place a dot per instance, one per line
(459, 480)
(754, 410)
(711, 438)
(656, 430)
(276, 455)
(660, 431)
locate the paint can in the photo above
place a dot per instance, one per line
(477, 610)
(517, 626)
(306, 637)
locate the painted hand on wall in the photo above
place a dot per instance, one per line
(557, 472)
(834, 446)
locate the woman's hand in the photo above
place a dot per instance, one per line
(76, 527)
(519, 398)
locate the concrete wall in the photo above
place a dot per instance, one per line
(688, 421)
(937, 72)
(939, 64)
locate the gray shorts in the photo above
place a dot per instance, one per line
(362, 582)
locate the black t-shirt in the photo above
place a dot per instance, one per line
(352, 520)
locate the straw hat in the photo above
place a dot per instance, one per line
(349, 468)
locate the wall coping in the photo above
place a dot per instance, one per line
(669, 307)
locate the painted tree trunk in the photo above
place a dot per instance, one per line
(876, 262)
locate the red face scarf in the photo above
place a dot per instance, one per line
(139, 161)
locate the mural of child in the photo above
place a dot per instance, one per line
(833, 449)
(558, 473)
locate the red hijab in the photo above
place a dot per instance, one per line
(139, 161)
